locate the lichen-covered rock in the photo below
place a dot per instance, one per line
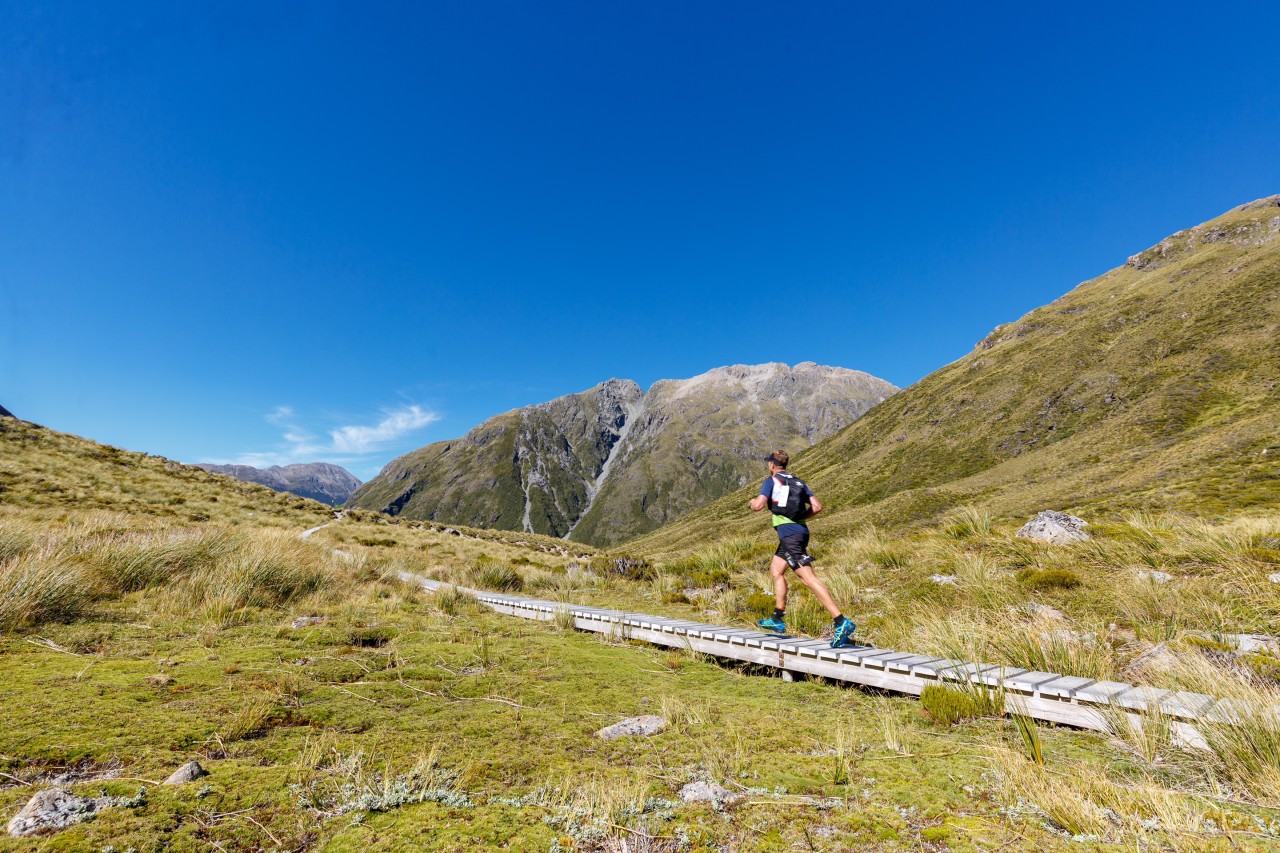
(645, 726)
(943, 580)
(306, 621)
(710, 792)
(53, 809)
(1056, 528)
(188, 772)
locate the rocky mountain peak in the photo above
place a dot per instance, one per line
(614, 460)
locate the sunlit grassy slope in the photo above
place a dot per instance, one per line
(1155, 386)
(162, 627)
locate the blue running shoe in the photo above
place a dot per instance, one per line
(843, 632)
(772, 624)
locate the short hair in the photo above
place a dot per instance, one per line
(780, 458)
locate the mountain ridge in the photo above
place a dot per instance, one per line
(320, 481)
(604, 463)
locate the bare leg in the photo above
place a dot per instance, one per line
(778, 568)
(819, 589)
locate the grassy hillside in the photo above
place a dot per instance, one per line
(391, 719)
(1155, 386)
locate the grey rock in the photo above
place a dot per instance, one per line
(1056, 528)
(1044, 611)
(188, 772)
(1155, 659)
(1154, 576)
(319, 481)
(53, 809)
(943, 580)
(1250, 643)
(710, 792)
(306, 621)
(1274, 578)
(645, 726)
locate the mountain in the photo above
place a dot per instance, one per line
(614, 461)
(319, 481)
(1155, 386)
(5, 413)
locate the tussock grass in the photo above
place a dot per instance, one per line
(37, 588)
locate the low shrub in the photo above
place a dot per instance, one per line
(947, 706)
(759, 603)
(376, 542)
(1049, 578)
(497, 576)
(624, 566)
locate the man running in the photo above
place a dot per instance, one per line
(793, 544)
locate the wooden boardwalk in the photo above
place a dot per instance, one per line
(1070, 700)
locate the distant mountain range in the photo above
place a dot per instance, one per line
(319, 481)
(5, 413)
(1154, 387)
(615, 461)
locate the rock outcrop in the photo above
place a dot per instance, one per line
(643, 726)
(1056, 528)
(53, 809)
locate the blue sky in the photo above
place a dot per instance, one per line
(276, 232)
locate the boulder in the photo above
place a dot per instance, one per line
(53, 809)
(1154, 576)
(306, 621)
(645, 726)
(943, 580)
(710, 792)
(1056, 528)
(188, 772)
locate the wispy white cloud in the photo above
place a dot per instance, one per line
(396, 424)
(346, 445)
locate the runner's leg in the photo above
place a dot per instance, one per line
(778, 568)
(819, 589)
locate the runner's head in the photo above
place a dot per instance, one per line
(779, 458)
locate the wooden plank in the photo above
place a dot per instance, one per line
(1141, 698)
(909, 663)
(1101, 692)
(890, 659)
(810, 648)
(869, 659)
(1187, 706)
(934, 669)
(1029, 682)
(1064, 687)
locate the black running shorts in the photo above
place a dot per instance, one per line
(793, 549)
